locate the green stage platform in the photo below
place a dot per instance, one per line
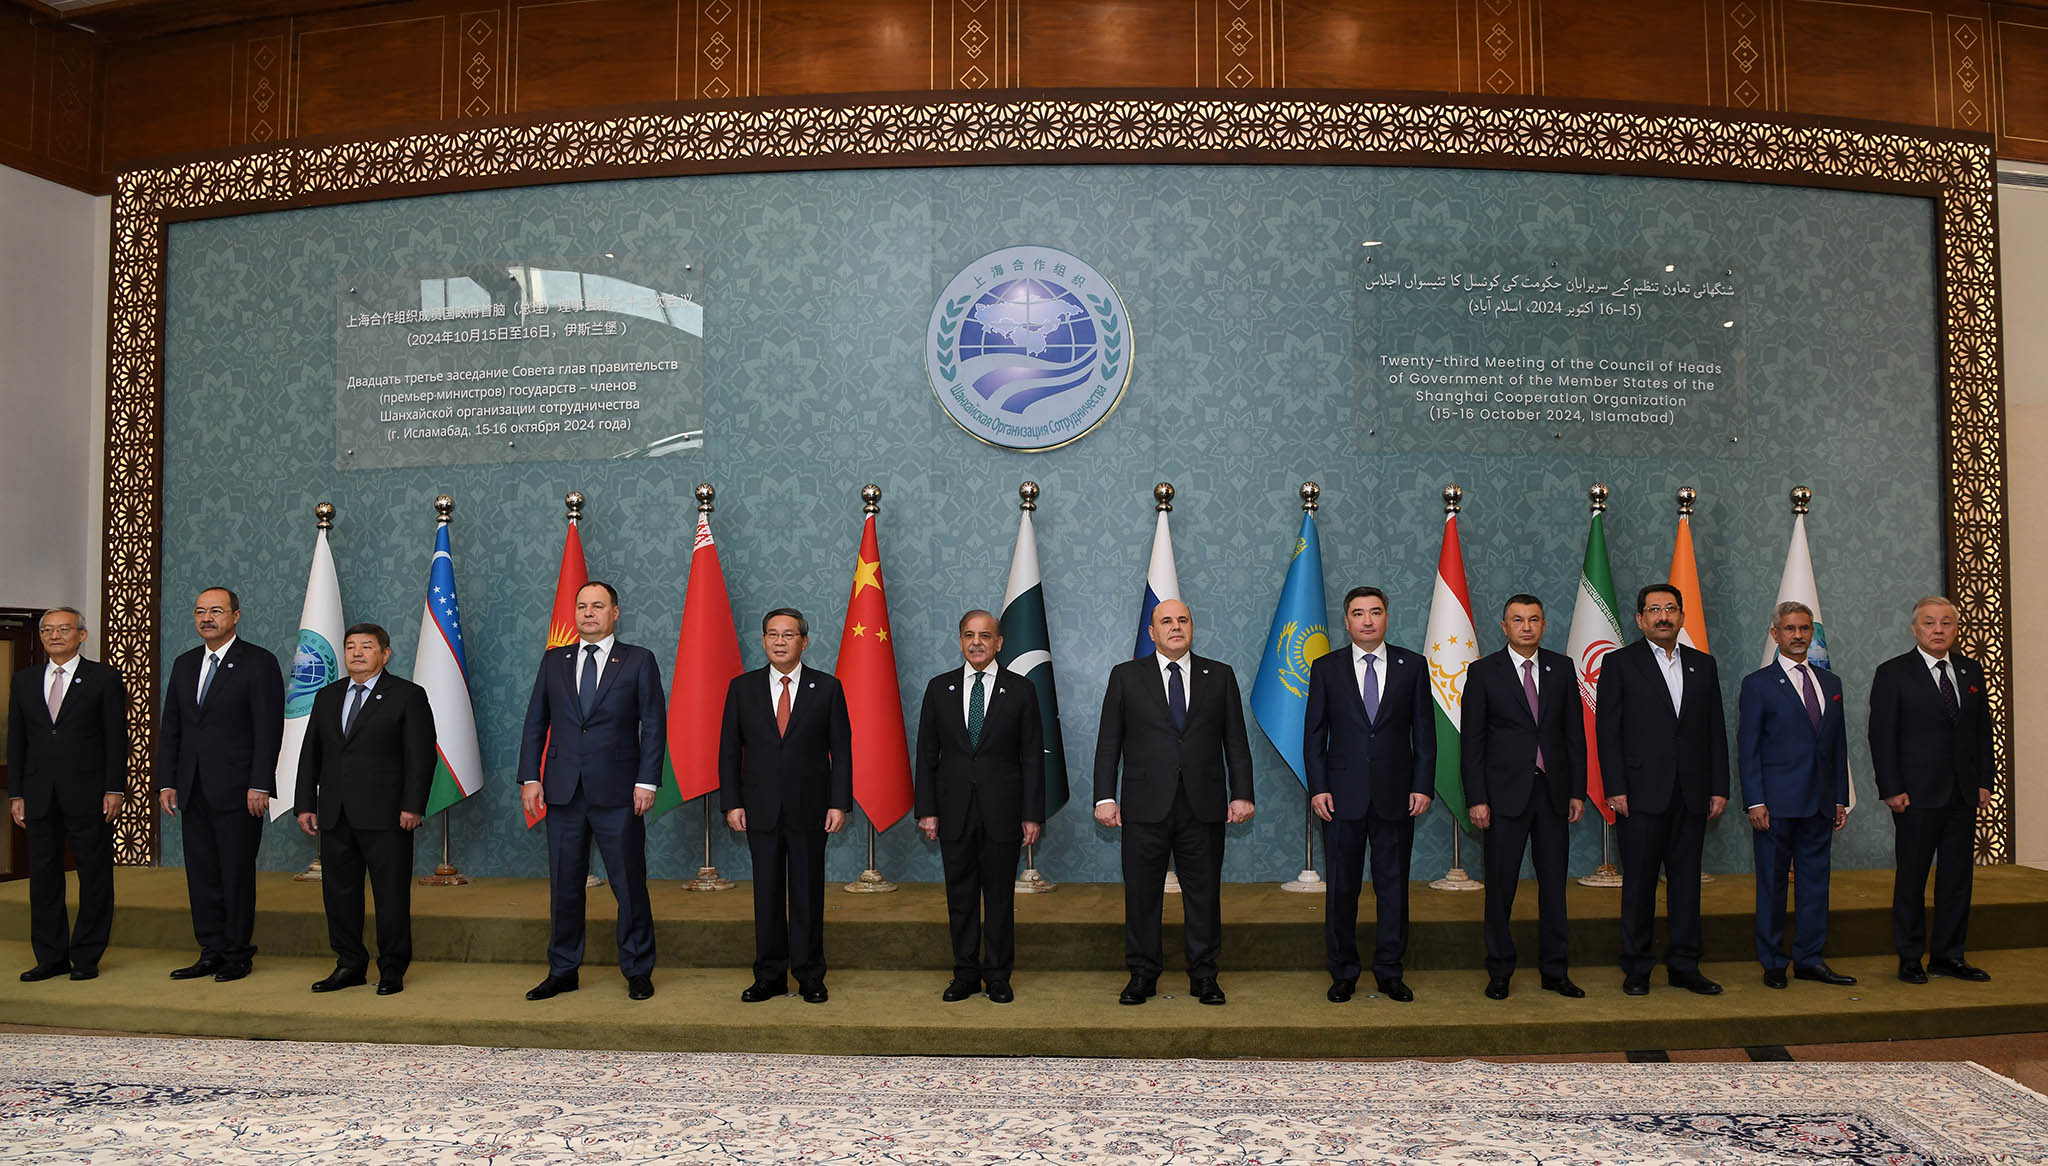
(480, 946)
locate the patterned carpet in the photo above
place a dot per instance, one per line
(70, 1099)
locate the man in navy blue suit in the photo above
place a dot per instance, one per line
(1792, 753)
(597, 713)
(1369, 737)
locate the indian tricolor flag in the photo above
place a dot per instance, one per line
(569, 579)
(1685, 575)
(1453, 645)
(442, 668)
(1596, 631)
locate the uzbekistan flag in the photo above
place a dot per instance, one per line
(440, 666)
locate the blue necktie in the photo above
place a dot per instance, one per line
(355, 709)
(586, 688)
(1176, 696)
(206, 685)
(1369, 692)
(977, 709)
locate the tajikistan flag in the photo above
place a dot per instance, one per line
(1453, 645)
(316, 663)
(442, 669)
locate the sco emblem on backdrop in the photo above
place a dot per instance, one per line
(1029, 348)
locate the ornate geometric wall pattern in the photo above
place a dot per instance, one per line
(1954, 171)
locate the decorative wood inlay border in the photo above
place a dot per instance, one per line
(1748, 55)
(977, 44)
(263, 89)
(1500, 48)
(722, 49)
(1970, 93)
(480, 61)
(1244, 44)
(1956, 171)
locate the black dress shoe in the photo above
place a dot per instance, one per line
(639, 987)
(206, 966)
(1394, 988)
(1563, 986)
(553, 986)
(340, 978)
(390, 985)
(1140, 989)
(761, 990)
(85, 973)
(1821, 974)
(1206, 990)
(236, 970)
(1957, 970)
(1636, 985)
(999, 992)
(45, 971)
(1775, 977)
(1693, 982)
(1911, 972)
(814, 992)
(1341, 990)
(960, 989)
(1497, 988)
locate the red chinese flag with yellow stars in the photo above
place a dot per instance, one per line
(569, 579)
(867, 671)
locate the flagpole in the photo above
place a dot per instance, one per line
(1031, 882)
(1455, 879)
(1687, 498)
(1162, 502)
(1606, 874)
(445, 874)
(871, 881)
(323, 515)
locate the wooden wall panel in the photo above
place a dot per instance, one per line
(1862, 60)
(18, 44)
(1966, 96)
(569, 54)
(367, 73)
(974, 44)
(2022, 55)
(1374, 44)
(49, 99)
(1625, 50)
(169, 96)
(873, 46)
(479, 62)
(70, 85)
(1109, 42)
(1743, 36)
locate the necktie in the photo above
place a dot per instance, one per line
(1370, 690)
(1529, 691)
(975, 711)
(1812, 698)
(206, 682)
(586, 688)
(56, 694)
(1176, 696)
(1948, 690)
(782, 710)
(355, 709)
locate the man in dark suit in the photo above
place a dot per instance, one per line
(598, 714)
(217, 749)
(67, 761)
(1369, 738)
(1930, 742)
(1174, 721)
(362, 790)
(1663, 741)
(1523, 759)
(981, 793)
(785, 779)
(1792, 754)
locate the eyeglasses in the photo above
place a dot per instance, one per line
(216, 611)
(60, 629)
(1662, 609)
(780, 637)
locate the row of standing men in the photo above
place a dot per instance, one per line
(1172, 768)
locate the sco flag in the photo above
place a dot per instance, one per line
(315, 664)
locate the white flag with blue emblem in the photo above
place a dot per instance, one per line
(1796, 585)
(316, 663)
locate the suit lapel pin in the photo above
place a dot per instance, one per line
(231, 664)
(952, 688)
(811, 684)
(1001, 691)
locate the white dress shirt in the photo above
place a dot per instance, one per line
(1187, 676)
(348, 695)
(1519, 660)
(1670, 664)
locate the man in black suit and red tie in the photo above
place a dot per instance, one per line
(1930, 742)
(598, 714)
(1174, 722)
(67, 762)
(1663, 741)
(981, 793)
(1369, 739)
(1523, 745)
(785, 779)
(364, 772)
(217, 746)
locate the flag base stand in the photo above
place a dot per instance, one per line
(1605, 875)
(708, 879)
(1455, 879)
(1705, 878)
(309, 875)
(1033, 883)
(1172, 886)
(1308, 882)
(445, 875)
(870, 882)
(592, 881)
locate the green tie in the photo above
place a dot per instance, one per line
(974, 709)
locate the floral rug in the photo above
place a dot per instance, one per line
(108, 1099)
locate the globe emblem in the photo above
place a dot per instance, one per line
(314, 666)
(1041, 335)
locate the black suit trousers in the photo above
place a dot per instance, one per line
(1197, 851)
(1943, 837)
(1800, 846)
(1670, 841)
(789, 902)
(49, 932)
(1392, 841)
(347, 853)
(1544, 832)
(621, 837)
(220, 874)
(981, 899)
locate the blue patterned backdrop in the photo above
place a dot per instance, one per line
(818, 287)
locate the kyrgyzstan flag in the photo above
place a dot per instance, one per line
(867, 673)
(707, 658)
(569, 579)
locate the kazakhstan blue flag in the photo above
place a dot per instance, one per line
(1298, 636)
